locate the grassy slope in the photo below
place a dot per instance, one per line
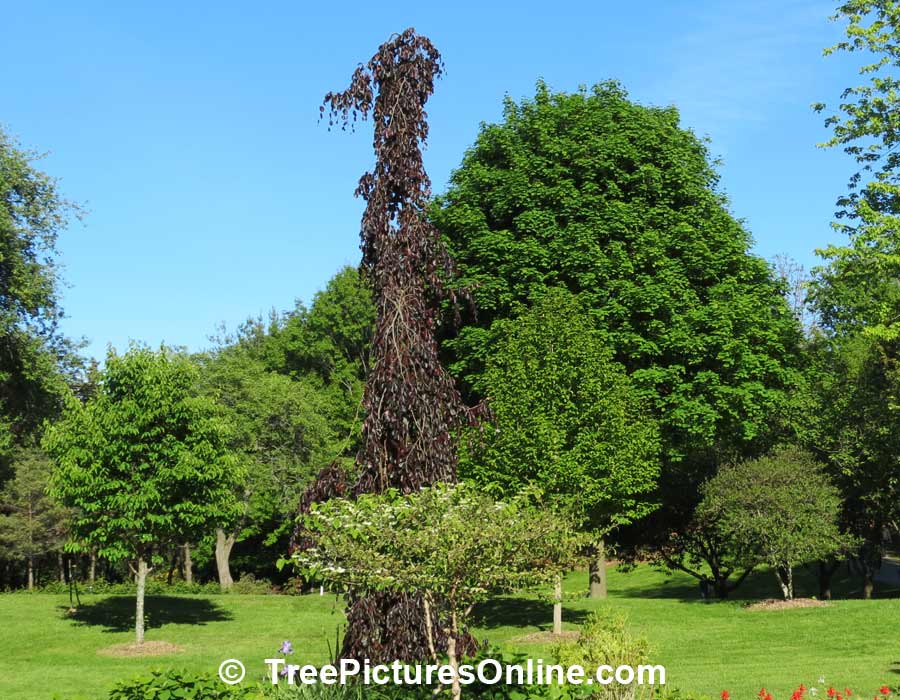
(705, 647)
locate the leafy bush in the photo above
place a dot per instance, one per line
(248, 584)
(179, 685)
(606, 639)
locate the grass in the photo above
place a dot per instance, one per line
(705, 647)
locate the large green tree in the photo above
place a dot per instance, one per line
(853, 385)
(280, 431)
(32, 213)
(618, 203)
(144, 461)
(566, 419)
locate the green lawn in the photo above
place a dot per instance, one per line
(705, 647)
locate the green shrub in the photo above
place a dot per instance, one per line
(179, 685)
(606, 639)
(248, 584)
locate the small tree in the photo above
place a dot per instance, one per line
(780, 508)
(565, 417)
(144, 461)
(31, 522)
(452, 545)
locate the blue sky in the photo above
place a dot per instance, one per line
(190, 130)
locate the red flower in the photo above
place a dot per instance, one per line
(885, 690)
(762, 693)
(726, 695)
(831, 692)
(848, 692)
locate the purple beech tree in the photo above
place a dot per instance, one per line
(412, 405)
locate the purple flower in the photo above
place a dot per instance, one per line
(286, 647)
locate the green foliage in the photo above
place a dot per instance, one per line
(31, 522)
(278, 430)
(856, 288)
(616, 202)
(32, 213)
(848, 414)
(565, 418)
(453, 542)
(606, 639)
(329, 344)
(145, 461)
(781, 507)
(174, 684)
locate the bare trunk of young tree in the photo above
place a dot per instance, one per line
(187, 563)
(141, 578)
(868, 584)
(92, 571)
(827, 570)
(224, 543)
(451, 655)
(597, 572)
(173, 564)
(785, 576)
(61, 567)
(557, 605)
(30, 573)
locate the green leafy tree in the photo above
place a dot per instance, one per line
(32, 524)
(280, 432)
(616, 202)
(145, 461)
(852, 380)
(32, 351)
(848, 414)
(567, 419)
(453, 545)
(780, 508)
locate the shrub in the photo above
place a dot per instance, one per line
(179, 685)
(248, 584)
(606, 639)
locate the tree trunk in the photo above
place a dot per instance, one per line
(92, 571)
(451, 656)
(785, 576)
(557, 605)
(597, 572)
(30, 573)
(173, 564)
(61, 567)
(827, 569)
(868, 584)
(223, 552)
(141, 576)
(187, 563)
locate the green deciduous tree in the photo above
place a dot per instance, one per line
(280, 433)
(32, 523)
(567, 419)
(616, 202)
(780, 508)
(849, 415)
(145, 462)
(32, 213)
(453, 545)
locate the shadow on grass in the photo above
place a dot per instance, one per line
(522, 612)
(116, 613)
(759, 585)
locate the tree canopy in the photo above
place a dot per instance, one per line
(145, 461)
(616, 202)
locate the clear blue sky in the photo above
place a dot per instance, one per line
(190, 130)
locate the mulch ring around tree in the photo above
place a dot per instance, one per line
(546, 637)
(131, 649)
(779, 604)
